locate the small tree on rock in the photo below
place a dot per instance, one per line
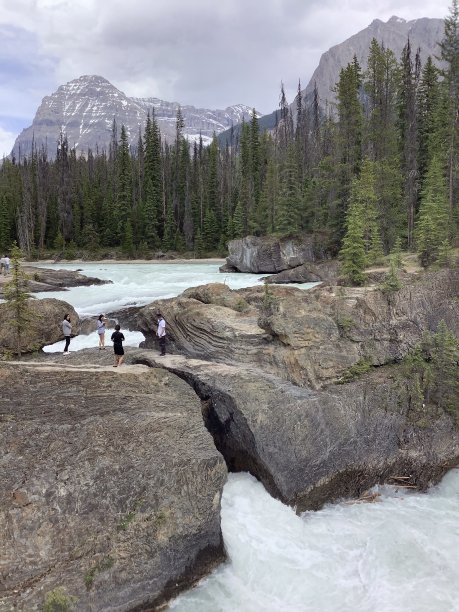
(16, 295)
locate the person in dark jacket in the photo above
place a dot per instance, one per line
(67, 331)
(117, 339)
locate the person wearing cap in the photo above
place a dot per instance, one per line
(161, 333)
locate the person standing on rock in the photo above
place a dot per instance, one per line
(117, 339)
(7, 264)
(67, 331)
(161, 333)
(101, 331)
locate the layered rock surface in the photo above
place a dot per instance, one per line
(309, 338)
(110, 486)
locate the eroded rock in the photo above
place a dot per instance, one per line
(43, 325)
(110, 486)
(312, 447)
(268, 254)
(50, 279)
(310, 338)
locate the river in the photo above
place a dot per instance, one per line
(398, 554)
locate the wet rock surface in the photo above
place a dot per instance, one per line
(50, 279)
(110, 484)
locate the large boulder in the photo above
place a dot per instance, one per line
(110, 486)
(42, 325)
(309, 448)
(268, 254)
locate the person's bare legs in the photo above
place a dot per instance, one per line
(120, 360)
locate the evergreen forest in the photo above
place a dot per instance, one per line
(376, 172)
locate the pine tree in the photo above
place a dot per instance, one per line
(449, 47)
(16, 296)
(381, 85)
(352, 254)
(432, 226)
(128, 240)
(428, 103)
(290, 197)
(408, 134)
(124, 185)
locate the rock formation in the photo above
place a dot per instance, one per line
(50, 279)
(424, 34)
(110, 486)
(308, 338)
(312, 447)
(43, 325)
(268, 254)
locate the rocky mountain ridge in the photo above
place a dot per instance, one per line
(424, 33)
(85, 108)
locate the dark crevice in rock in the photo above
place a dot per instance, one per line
(230, 432)
(232, 436)
(237, 443)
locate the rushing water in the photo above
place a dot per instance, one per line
(135, 284)
(399, 554)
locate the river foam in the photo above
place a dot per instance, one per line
(399, 554)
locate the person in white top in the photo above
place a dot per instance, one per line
(7, 264)
(161, 333)
(101, 321)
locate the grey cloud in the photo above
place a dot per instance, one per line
(202, 52)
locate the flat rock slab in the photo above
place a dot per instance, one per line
(110, 486)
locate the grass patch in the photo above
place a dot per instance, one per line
(103, 565)
(58, 601)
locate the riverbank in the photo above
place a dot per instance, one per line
(125, 261)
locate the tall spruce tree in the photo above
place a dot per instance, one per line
(432, 226)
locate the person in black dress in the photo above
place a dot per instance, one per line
(117, 339)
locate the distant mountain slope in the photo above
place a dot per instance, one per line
(85, 108)
(424, 33)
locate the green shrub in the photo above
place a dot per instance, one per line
(358, 369)
(58, 601)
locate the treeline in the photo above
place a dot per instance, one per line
(378, 170)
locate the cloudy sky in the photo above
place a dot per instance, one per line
(209, 53)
